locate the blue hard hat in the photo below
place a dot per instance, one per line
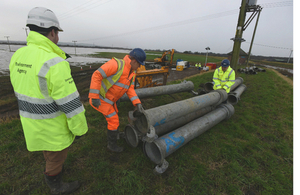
(139, 55)
(225, 63)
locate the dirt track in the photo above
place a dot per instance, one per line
(284, 77)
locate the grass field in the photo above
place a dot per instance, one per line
(251, 153)
(151, 55)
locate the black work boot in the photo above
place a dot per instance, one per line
(58, 187)
(112, 141)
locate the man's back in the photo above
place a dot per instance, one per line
(47, 95)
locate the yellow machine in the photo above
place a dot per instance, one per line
(163, 60)
(182, 65)
(145, 77)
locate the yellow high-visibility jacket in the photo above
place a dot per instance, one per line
(224, 80)
(49, 104)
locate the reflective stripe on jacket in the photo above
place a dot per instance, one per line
(223, 80)
(49, 104)
(121, 81)
(108, 82)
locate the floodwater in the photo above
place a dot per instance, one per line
(277, 68)
(80, 59)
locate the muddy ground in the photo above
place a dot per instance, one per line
(82, 79)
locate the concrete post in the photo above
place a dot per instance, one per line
(161, 90)
(163, 114)
(133, 136)
(234, 96)
(167, 144)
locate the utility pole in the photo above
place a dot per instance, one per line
(206, 55)
(246, 6)
(75, 46)
(257, 10)
(26, 31)
(8, 42)
(238, 36)
(290, 56)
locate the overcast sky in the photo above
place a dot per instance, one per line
(184, 25)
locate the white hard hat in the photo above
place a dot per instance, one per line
(43, 18)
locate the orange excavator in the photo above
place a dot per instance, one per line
(163, 60)
(150, 78)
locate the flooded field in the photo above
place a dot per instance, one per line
(80, 59)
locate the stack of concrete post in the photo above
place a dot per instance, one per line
(165, 129)
(236, 90)
(251, 70)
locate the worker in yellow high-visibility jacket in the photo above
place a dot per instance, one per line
(199, 66)
(224, 76)
(49, 104)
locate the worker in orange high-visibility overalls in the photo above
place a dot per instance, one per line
(108, 84)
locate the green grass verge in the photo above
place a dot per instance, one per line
(151, 55)
(251, 153)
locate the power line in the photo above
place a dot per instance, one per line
(269, 46)
(184, 22)
(202, 18)
(78, 11)
(74, 9)
(93, 4)
(277, 4)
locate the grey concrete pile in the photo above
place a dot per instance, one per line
(235, 90)
(251, 70)
(165, 129)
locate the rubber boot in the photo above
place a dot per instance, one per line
(58, 187)
(112, 141)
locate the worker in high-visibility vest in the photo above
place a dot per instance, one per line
(224, 76)
(108, 84)
(199, 66)
(51, 113)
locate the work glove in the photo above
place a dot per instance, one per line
(96, 102)
(139, 110)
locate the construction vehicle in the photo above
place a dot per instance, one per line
(163, 60)
(182, 65)
(149, 78)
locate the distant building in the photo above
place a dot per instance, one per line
(242, 58)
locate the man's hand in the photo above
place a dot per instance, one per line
(138, 110)
(96, 102)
